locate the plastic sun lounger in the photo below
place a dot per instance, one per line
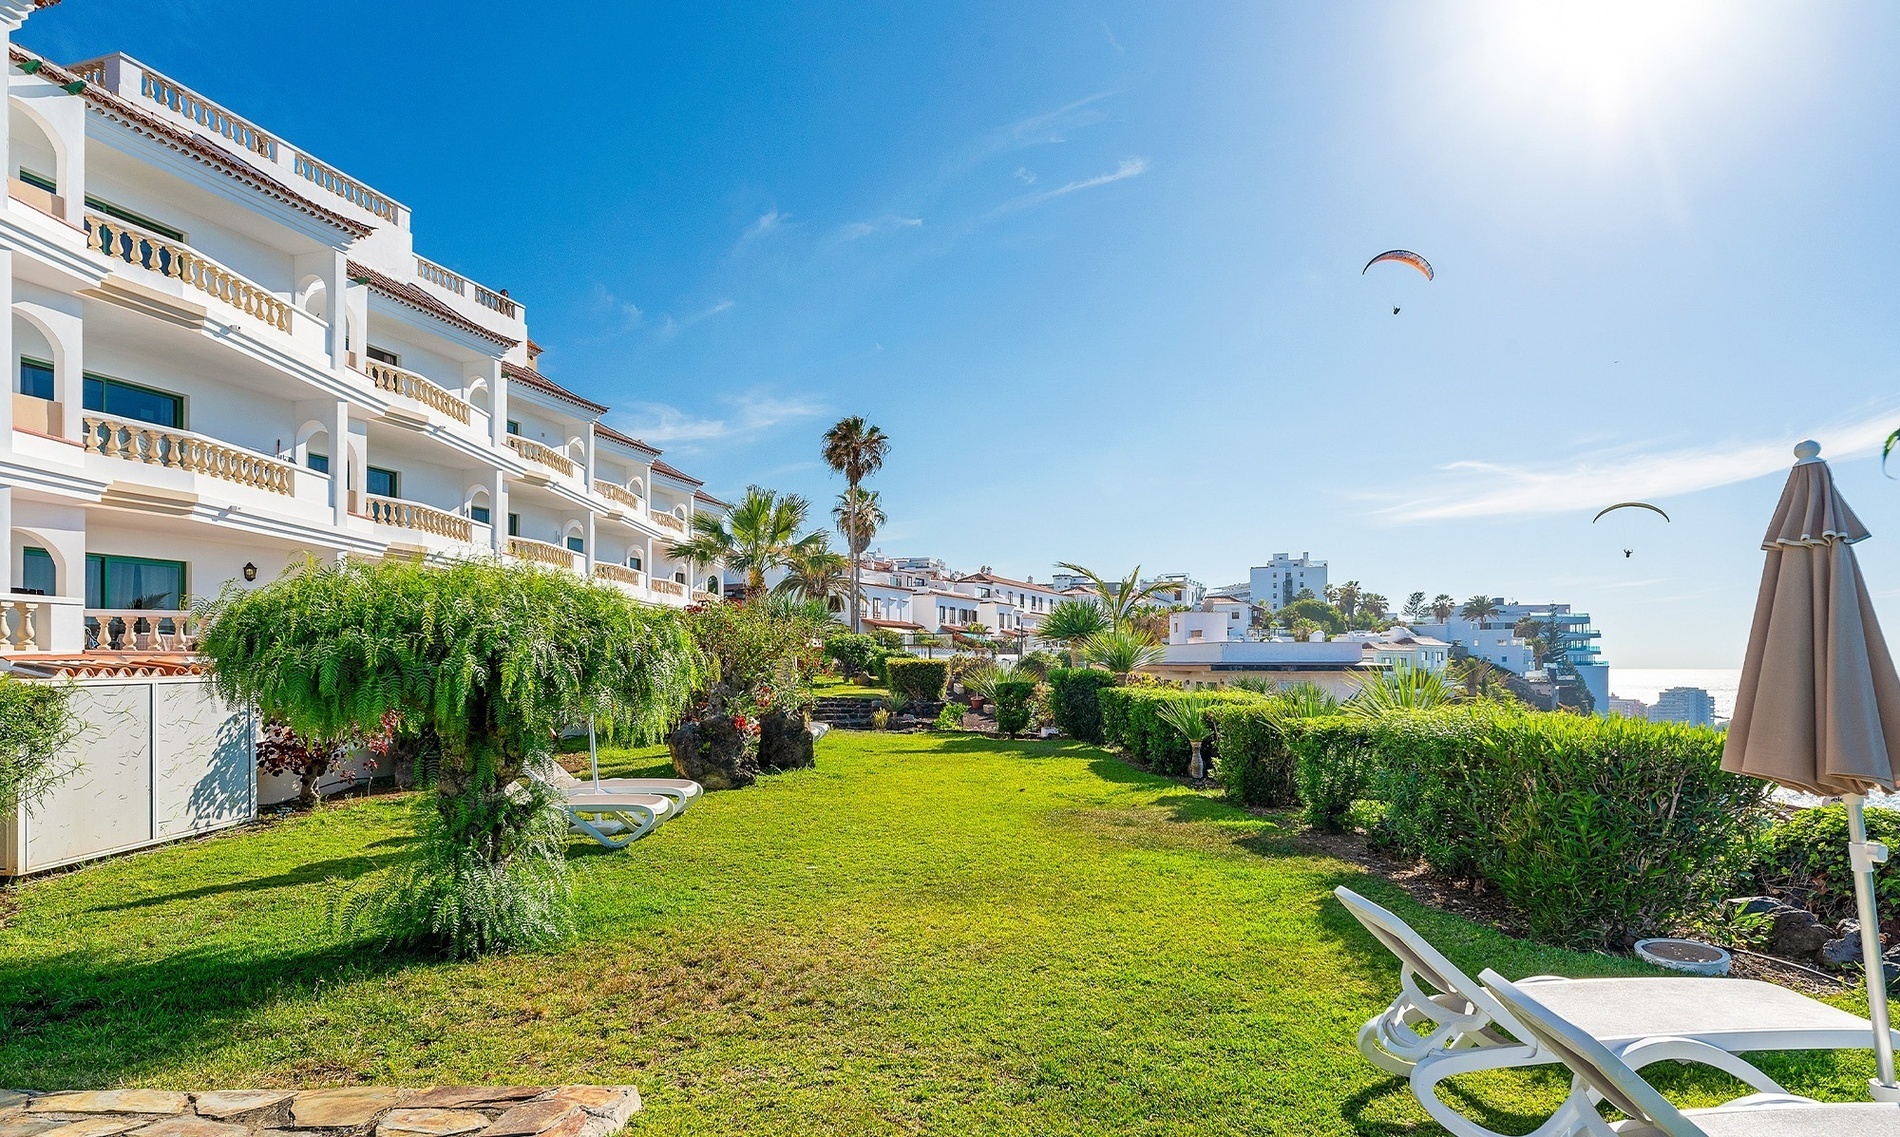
(1714, 1018)
(682, 791)
(1613, 1077)
(616, 820)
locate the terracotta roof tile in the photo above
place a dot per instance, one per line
(606, 431)
(702, 495)
(107, 665)
(413, 295)
(192, 146)
(541, 382)
(663, 468)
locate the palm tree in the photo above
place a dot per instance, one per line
(1374, 605)
(858, 516)
(1346, 597)
(759, 536)
(1478, 609)
(1120, 598)
(1070, 622)
(1442, 608)
(1122, 651)
(815, 572)
(857, 450)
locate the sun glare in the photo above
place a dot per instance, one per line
(1600, 59)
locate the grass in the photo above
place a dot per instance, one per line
(833, 687)
(925, 934)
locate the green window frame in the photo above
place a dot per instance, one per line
(514, 426)
(383, 355)
(38, 575)
(479, 513)
(383, 483)
(318, 462)
(129, 400)
(576, 544)
(107, 575)
(36, 378)
(514, 525)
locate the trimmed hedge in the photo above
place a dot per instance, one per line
(1012, 705)
(1598, 830)
(1075, 700)
(857, 655)
(921, 679)
(1130, 721)
(1256, 760)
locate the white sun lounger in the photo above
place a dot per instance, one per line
(1713, 1018)
(1613, 1077)
(616, 820)
(682, 791)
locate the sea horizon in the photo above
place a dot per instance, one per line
(1646, 683)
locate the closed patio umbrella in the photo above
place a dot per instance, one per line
(1819, 704)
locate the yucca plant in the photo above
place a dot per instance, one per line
(1122, 651)
(1404, 688)
(1188, 715)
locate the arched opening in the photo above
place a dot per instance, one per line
(638, 485)
(313, 296)
(38, 567)
(39, 372)
(313, 447)
(576, 538)
(712, 585)
(476, 505)
(577, 451)
(478, 396)
(352, 338)
(38, 160)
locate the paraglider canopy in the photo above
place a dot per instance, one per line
(1402, 256)
(1630, 505)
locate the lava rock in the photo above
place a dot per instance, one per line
(784, 741)
(713, 752)
(1796, 934)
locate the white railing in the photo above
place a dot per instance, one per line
(536, 452)
(211, 116)
(94, 72)
(620, 495)
(408, 384)
(414, 515)
(129, 243)
(140, 629)
(667, 521)
(495, 301)
(441, 277)
(619, 574)
(540, 552)
(704, 595)
(24, 623)
(345, 187)
(183, 450)
(669, 587)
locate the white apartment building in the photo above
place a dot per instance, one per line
(1692, 706)
(1283, 578)
(1176, 588)
(227, 355)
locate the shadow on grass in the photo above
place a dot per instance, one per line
(339, 868)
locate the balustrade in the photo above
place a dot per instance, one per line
(495, 301)
(668, 521)
(133, 245)
(620, 495)
(669, 587)
(140, 629)
(421, 518)
(22, 623)
(540, 552)
(345, 187)
(211, 116)
(408, 384)
(182, 450)
(441, 277)
(619, 574)
(547, 456)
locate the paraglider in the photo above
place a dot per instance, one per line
(1629, 505)
(1887, 448)
(1402, 256)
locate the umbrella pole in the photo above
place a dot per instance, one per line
(1864, 855)
(593, 755)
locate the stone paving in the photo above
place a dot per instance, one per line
(353, 1111)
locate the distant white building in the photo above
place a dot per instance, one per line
(1276, 583)
(1176, 588)
(1689, 705)
(1629, 708)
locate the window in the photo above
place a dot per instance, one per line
(478, 513)
(129, 400)
(38, 180)
(383, 355)
(514, 525)
(118, 211)
(37, 575)
(514, 426)
(634, 562)
(576, 544)
(36, 378)
(134, 582)
(384, 483)
(318, 462)
(679, 577)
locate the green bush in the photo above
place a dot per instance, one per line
(1012, 705)
(35, 726)
(1333, 758)
(1806, 855)
(950, 717)
(1075, 701)
(1255, 762)
(855, 654)
(1598, 830)
(1131, 720)
(890, 639)
(920, 679)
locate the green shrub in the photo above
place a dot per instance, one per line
(1255, 762)
(1598, 830)
(1131, 719)
(920, 679)
(35, 726)
(950, 717)
(1807, 855)
(1012, 705)
(1333, 758)
(890, 639)
(856, 655)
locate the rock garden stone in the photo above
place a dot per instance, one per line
(356, 1111)
(248, 1106)
(784, 741)
(352, 1107)
(96, 1127)
(191, 1127)
(1796, 934)
(713, 753)
(164, 1102)
(409, 1122)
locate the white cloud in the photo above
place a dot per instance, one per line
(1025, 175)
(747, 414)
(768, 223)
(1589, 481)
(1129, 168)
(671, 325)
(619, 314)
(1047, 127)
(858, 229)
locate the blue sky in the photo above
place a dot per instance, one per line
(1095, 267)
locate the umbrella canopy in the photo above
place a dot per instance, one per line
(1819, 703)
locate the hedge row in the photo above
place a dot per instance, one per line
(1131, 721)
(921, 679)
(1075, 700)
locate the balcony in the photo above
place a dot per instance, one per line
(669, 588)
(668, 521)
(140, 629)
(620, 495)
(541, 553)
(116, 240)
(448, 280)
(173, 449)
(396, 381)
(399, 514)
(547, 456)
(620, 574)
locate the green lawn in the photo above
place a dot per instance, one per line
(830, 686)
(926, 934)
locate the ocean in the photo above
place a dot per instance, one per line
(1646, 683)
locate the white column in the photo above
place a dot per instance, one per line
(498, 513)
(6, 527)
(588, 568)
(6, 340)
(340, 464)
(498, 404)
(588, 479)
